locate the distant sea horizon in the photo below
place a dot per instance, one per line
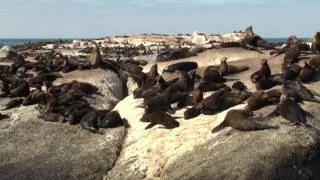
(13, 42)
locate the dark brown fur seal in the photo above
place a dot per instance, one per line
(161, 102)
(153, 72)
(264, 71)
(261, 99)
(289, 109)
(184, 82)
(298, 92)
(315, 63)
(182, 66)
(90, 121)
(193, 100)
(191, 113)
(19, 88)
(306, 73)
(290, 72)
(239, 120)
(226, 69)
(160, 117)
(212, 75)
(13, 103)
(239, 86)
(264, 83)
(111, 119)
(206, 86)
(213, 103)
(42, 78)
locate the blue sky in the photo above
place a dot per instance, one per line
(97, 18)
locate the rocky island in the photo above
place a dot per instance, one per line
(154, 106)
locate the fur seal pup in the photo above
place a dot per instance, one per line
(264, 71)
(240, 120)
(182, 66)
(191, 113)
(306, 73)
(90, 121)
(111, 119)
(83, 87)
(75, 117)
(160, 117)
(298, 92)
(13, 104)
(315, 45)
(289, 109)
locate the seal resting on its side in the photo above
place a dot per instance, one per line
(239, 120)
(160, 117)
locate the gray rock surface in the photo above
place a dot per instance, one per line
(193, 152)
(31, 148)
(8, 52)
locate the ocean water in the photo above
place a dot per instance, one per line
(24, 41)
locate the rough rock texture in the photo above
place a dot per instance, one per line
(108, 82)
(31, 148)
(7, 52)
(191, 151)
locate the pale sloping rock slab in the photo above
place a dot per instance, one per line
(285, 153)
(146, 153)
(31, 148)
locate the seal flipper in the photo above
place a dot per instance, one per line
(150, 126)
(191, 113)
(218, 128)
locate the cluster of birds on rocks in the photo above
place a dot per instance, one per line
(182, 84)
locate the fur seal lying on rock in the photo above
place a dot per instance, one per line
(239, 120)
(289, 109)
(13, 104)
(306, 73)
(315, 63)
(226, 69)
(160, 117)
(182, 66)
(298, 92)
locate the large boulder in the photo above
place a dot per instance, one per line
(31, 148)
(191, 151)
(8, 52)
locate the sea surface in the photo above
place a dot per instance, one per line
(24, 41)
